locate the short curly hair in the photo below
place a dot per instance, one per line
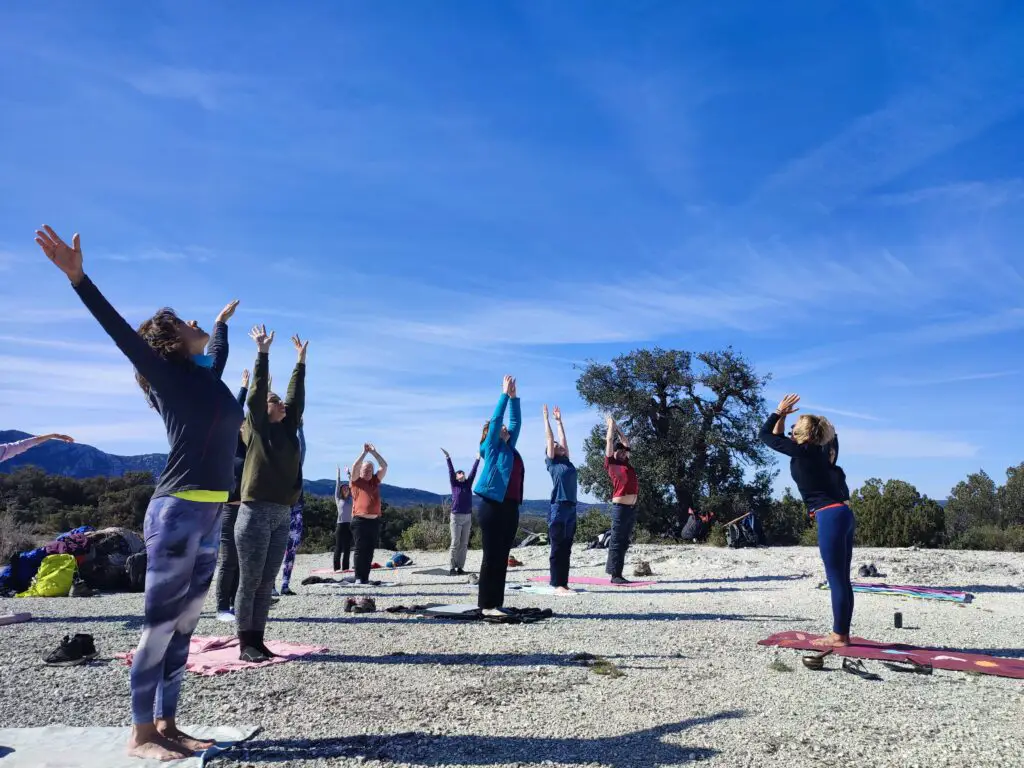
(161, 333)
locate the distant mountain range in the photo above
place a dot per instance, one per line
(79, 460)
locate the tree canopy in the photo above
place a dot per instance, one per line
(693, 421)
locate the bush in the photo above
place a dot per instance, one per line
(809, 538)
(785, 521)
(14, 537)
(716, 536)
(425, 535)
(992, 538)
(590, 524)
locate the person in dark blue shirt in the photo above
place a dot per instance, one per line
(813, 450)
(562, 515)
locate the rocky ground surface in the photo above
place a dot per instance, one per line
(695, 686)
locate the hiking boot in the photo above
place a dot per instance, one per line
(620, 580)
(350, 604)
(73, 650)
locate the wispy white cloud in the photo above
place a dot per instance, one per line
(975, 194)
(208, 89)
(926, 380)
(188, 253)
(904, 444)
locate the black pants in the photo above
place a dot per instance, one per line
(623, 520)
(342, 546)
(227, 560)
(364, 537)
(499, 523)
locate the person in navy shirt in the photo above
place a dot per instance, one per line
(562, 516)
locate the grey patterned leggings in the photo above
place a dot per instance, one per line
(261, 536)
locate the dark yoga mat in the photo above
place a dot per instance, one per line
(440, 572)
(940, 658)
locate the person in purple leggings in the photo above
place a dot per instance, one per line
(183, 384)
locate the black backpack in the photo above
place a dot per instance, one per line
(135, 568)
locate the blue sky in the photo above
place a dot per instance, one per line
(438, 193)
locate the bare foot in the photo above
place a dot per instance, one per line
(564, 591)
(156, 747)
(174, 734)
(832, 640)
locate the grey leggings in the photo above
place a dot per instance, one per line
(261, 536)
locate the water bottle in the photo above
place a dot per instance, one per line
(897, 620)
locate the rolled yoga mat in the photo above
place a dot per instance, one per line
(903, 590)
(939, 658)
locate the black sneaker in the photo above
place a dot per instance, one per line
(453, 572)
(459, 572)
(620, 580)
(253, 655)
(80, 589)
(287, 591)
(72, 650)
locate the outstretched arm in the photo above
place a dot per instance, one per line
(494, 426)
(561, 430)
(68, 258)
(451, 467)
(515, 417)
(261, 377)
(244, 389)
(337, 487)
(10, 450)
(609, 438)
(381, 463)
(472, 472)
(296, 399)
(218, 346)
(549, 436)
(358, 463)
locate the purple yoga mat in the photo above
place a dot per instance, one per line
(596, 580)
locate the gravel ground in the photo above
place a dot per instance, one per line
(696, 687)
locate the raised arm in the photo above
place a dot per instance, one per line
(451, 467)
(257, 415)
(296, 399)
(515, 417)
(354, 472)
(10, 450)
(494, 428)
(561, 430)
(244, 389)
(154, 368)
(337, 487)
(772, 437)
(218, 346)
(609, 438)
(472, 472)
(549, 436)
(383, 470)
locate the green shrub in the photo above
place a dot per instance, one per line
(716, 536)
(425, 535)
(809, 538)
(992, 538)
(590, 524)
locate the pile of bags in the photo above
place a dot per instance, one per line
(111, 559)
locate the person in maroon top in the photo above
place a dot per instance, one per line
(624, 495)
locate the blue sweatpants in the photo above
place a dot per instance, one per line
(561, 532)
(835, 542)
(182, 538)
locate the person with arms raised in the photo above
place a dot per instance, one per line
(181, 380)
(500, 488)
(625, 490)
(562, 515)
(813, 450)
(461, 522)
(271, 484)
(366, 510)
(343, 531)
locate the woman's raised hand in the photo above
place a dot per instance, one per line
(68, 258)
(259, 335)
(300, 347)
(62, 438)
(228, 311)
(545, 410)
(446, 454)
(512, 391)
(558, 413)
(245, 379)
(788, 405)
(506, 385)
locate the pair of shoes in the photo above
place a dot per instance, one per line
(863, 572)
(365, 605)
(73, 650)
(226, 616)
(287, 591)
(620, 580)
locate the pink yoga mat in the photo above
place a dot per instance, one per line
(596, 580)
(940, 658)
(209, 656)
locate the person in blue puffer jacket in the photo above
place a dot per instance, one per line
(500, 488)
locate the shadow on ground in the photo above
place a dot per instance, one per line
(643, 748)
(483, 659)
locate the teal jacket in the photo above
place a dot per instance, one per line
(498, 455)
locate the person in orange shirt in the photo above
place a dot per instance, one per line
(366, 510)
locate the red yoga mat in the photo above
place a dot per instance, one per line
(596, 580)
(939, 658)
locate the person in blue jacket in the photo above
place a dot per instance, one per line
(500, 488)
